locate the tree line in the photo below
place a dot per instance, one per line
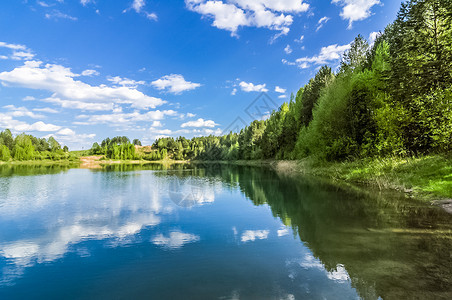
(27, 147)
(118, 147)
(389, 98)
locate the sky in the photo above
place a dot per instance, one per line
(84, 70)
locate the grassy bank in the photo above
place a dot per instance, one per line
(428, 177)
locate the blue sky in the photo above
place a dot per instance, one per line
(83, 70)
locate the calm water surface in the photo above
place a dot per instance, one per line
(213, 232)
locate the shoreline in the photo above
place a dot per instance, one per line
(418, 178)
(427, 178)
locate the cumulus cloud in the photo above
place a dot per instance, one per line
(280, 90)
(125, 81)
(252, 235)
(250, 87)
(138, 5)
(232, 14)
(156, 124)
(71, 93)
(66, 131)
(21, 112)
(174, 83)
(119, 119)
(18, 52)
(283, 231)
(373, 37)
(355, 10)
(90, 73)
(8, 121)
(288, 49)
(321, 22)
(199, 123)
(327, 54)
(175, 240)
(69, 137)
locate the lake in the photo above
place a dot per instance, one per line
(214, 232)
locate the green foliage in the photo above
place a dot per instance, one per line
(390, 98)
(23, 148)
(5, 154)
(311, 93)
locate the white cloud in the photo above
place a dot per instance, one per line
(250, 87)
(125, 81)
(19, 52)
(300, 40)
(283, 231)
(165, 132)
(138, 5)
(190, 115)
(71, 93)
(355, 10)
(175, 240)
(156, 124)
(82, 105)
(85, 2)
(231, 14)
(43, 4)
(199, 123)
(66, 131)
(174, 83)
(327, 54)
(12, 46)
(90, 73)
(119, 119)
(288, 50)
(282, 96)
(29, 98)
(321, 22)
(151, 16)
(46, 110)
(373, 37)
(22, 112)
(69, 137)
(280, 90)
(56, 14)
(16, 126)
(340, 274)
(252, 235)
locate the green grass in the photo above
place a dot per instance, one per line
(428, 176)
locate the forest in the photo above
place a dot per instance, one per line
(390, 98)
(24, 147)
